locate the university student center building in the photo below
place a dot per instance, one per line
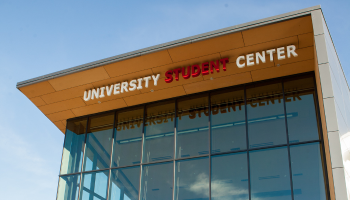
(254, 111)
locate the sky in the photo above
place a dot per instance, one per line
(38, 37)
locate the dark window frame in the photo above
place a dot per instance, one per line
(208, 93)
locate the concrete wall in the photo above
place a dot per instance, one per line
(336, 100)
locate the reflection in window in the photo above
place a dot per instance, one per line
(229, 177)
(300, 107)
(307, 171)
(192, 126)
(124, 184)
(99, 142)
(269, 168)
(128, 138)
(192, 179)
(68, 188)
(270, 175)
(159, 132)
(157, 181)
(73, 146)
(94, 186)
(228, 130)
(266, 122)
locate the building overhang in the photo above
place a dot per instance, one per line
(60, 95)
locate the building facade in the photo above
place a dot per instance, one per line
(254, 111)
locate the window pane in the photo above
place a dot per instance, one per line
(73, 146)
(269, 174)
(124, 184)
(99, 142)
(159, 132)
(229, 177)
(301, 113)
(266, 123)
(192, 126)
(68, 188)
(94, 186)
(307, 170)
(192, 179)
(228, 130)
(157, 181)
(128, 138)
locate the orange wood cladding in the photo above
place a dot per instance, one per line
(62, 98)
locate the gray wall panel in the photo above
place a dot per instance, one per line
(336, 100)
(339, 187)
(331, 115)
(317, 22)
(334, 144)
(321, 51)
(343, 129)
(326, 83)
(338, 96)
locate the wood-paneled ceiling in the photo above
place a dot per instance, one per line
(62, 98)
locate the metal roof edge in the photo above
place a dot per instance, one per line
(169, 45)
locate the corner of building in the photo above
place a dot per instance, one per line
(328, 72)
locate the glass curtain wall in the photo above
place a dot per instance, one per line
(260, 141)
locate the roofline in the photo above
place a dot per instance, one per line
(169, 45)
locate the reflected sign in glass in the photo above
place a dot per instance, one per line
(159, 132)
(128, 137)
(192, 126)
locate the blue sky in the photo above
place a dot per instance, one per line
(38, 37)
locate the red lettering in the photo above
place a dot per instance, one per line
(205, 68)
(188, 75)
(223, 62)
(214, 65)
(169, 75)
(196, 70)
(177, 71)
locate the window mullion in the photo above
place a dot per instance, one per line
(247, 140)
(286, 124)
(82, 162)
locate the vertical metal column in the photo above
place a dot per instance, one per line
(286, 124)
(142, 145)
(247, 140)
(174, 153)
(82, 162)
(64, 143)
(111, 157)
(209, 141)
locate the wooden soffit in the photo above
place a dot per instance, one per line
(62, 98)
